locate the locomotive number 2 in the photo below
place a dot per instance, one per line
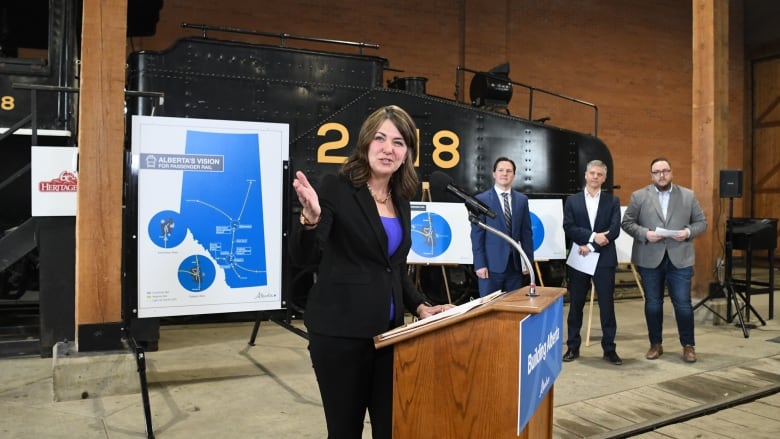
(445, 147)
(7, 103)
(322, 151)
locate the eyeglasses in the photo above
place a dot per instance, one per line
(661, 172)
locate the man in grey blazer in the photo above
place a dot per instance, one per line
(663, 219)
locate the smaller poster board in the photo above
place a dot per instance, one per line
(440, 234)
(54, 180)
(624, 243)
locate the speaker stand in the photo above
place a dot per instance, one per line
(728, 286)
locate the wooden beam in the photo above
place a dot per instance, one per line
(710, 127)
(101, 163)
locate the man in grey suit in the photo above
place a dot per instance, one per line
(663, 219)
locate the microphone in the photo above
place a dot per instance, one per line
(441, 181)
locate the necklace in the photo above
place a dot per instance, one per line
(377, 199)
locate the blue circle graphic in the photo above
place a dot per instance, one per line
(196, 273)
(431, 234)
(166, 229)
(537, 228)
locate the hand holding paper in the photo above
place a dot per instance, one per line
(679, 235)
(586, 263)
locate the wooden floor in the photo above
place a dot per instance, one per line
(715, 404)
(738, 402)
(760, 419)
(206, 382)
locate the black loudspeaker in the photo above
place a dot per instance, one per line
(731, 183)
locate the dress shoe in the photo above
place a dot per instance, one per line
(689, 354)
(613, 358)
(655, 351)
(571, 355)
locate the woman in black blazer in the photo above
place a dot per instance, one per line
(356, 227)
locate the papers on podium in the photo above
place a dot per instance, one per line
(585, 264)
(452, 312)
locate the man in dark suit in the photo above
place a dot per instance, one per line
(663, 219)
(497, 264)
(591, 220)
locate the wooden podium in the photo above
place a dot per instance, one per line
(458, 377)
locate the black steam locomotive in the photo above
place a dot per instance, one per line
(323, 95)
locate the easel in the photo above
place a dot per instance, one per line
(426, 196)
(140, 361)
(593, 293)
(637, 280)
(539, 271)
(590, 313)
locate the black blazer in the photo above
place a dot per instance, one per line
(356, 277)
(576, 224)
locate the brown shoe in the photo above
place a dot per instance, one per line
(655, 351)
(689, 354)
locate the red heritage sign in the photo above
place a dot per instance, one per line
(66, 182)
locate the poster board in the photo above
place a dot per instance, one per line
(441, 232)
(54, 180)
(547, 226)
(209, 215)
(624, 243)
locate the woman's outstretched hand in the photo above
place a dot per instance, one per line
(308, 198)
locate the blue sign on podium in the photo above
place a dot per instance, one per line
(541, 351)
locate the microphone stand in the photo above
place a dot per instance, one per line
(474, 219)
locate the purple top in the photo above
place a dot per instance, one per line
(393, 230)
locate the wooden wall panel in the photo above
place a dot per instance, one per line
(765, 181)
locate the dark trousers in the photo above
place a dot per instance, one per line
(579, 286)
(353, 377)
(509, 280)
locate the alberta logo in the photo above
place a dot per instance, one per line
(66, 182)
